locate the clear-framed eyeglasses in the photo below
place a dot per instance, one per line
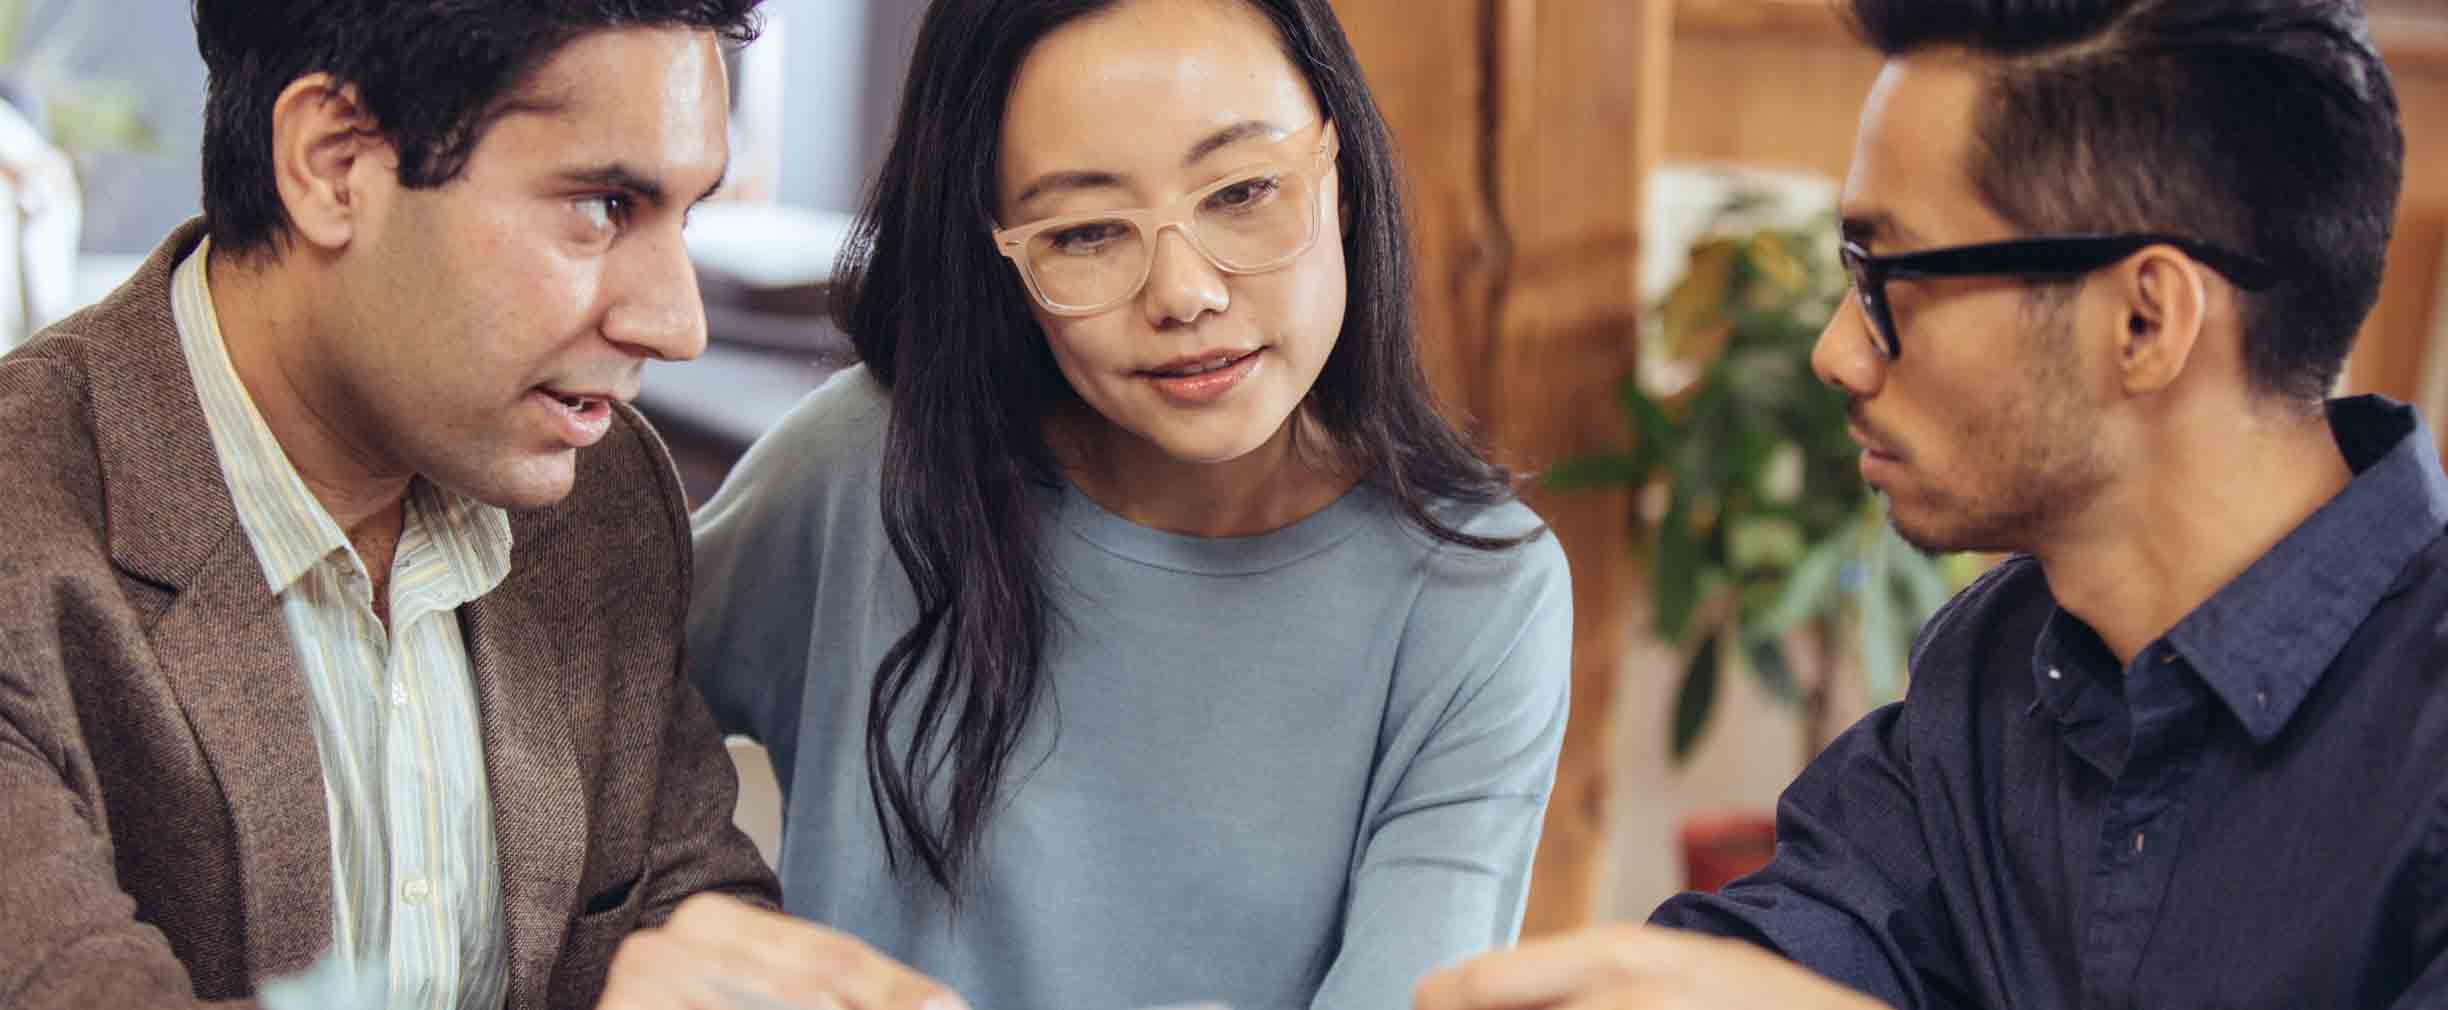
(1251, 221)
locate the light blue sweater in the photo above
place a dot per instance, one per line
(1290, 770)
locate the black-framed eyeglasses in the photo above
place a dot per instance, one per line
(2051, 256)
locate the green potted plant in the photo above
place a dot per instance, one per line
(1761, 542)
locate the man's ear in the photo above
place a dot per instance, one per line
(2163, 303)
(324, 145)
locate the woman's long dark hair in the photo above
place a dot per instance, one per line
(941, 320)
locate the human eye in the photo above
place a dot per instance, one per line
(603, 213)
(1245, 195)
(1088, 239)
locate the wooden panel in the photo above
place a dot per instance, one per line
(1426, 62)
(1775, 99)
(1517, 125)
(1570, 157)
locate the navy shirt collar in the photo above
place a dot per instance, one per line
(2263, 641)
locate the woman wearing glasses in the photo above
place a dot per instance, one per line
(1129, 628)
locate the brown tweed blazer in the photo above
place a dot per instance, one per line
(163, 840)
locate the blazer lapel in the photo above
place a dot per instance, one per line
(228, 658)
(531, 767)
(219, 639)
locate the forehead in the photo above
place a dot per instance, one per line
(1138, 85)
(651, 97)
(1910, 181)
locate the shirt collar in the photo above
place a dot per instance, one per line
(284, 522)
(2263, 641)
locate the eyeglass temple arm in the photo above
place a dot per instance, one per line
(2068, 256)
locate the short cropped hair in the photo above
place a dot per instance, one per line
(434, 75)
(2265, 126)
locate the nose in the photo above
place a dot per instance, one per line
(656, 309)
(1846, 357)
(1181, 284)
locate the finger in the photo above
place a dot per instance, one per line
(734, 996)
(801, 962)
(1640, 994)
(1549, 972)
(818, 963)
(650, 971)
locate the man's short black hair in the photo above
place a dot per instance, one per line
(434, 74)
(2266, 126)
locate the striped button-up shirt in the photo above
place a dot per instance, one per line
(416, 907)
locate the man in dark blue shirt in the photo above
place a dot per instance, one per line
(2189, 746)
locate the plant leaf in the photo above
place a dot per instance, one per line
(1766, 657)
(1674, 577)
(1598, 469)
(1694, 700)
(1649, 421)
(1692, 317)
(1763, 540)
(1809, 589)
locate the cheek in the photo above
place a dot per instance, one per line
(1088, 351)
(1300, 307)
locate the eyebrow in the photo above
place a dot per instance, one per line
(628, 179)
(1870, 228)
(1229, 136)
(1217, 141)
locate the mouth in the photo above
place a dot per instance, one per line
(1871, 444)
(580, 418)
(1200, 364)
(1205, 377)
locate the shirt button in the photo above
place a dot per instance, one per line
(2055, 674)
(2261, 697)
(399, 695)
(2137, 842)
(416, 891)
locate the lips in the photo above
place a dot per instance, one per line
(1204, 378)
(1198, 364)
(1870, 443)
(579, 418)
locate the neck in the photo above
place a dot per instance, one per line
(1266, 489)
(273, 341)
(2151, 551)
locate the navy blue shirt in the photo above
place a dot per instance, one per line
(2252, 813)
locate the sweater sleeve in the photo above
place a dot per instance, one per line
(759, 546)
(1444, 866)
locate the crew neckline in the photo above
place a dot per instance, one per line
(1236, 555)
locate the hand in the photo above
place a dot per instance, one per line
(717, 953)
(1629, 967)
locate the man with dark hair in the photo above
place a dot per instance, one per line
(2189, 746)
(342, 593)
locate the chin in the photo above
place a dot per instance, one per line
(1950, 534)
(1212, 450)
(534, 483)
